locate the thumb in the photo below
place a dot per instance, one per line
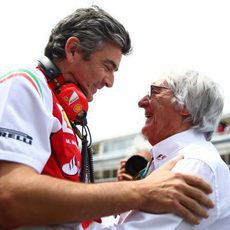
(169, 165)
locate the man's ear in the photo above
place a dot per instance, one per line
(182, 111)
(185, 117)
(71, 48)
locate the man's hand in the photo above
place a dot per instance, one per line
(182, 194)
(121, 172)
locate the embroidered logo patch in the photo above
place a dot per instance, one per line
(160, 157)
(70, 168)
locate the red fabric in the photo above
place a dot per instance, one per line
(65, 159)
(87, 223)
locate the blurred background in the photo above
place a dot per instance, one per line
(166, 35)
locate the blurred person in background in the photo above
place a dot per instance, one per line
(131, 167)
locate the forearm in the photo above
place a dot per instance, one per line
(39, 199)
(27, 198)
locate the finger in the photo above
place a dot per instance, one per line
(124, 176)
(193, 206)
(185, 213)
(197, 182)
(200, 197)
(169, 165)
(123, 161)
(119, 173)
(122, 165)
(196, 188)
(122, 170)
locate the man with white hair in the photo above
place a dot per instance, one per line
(182, 112)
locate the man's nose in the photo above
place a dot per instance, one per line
(143, 102)
(109, 80)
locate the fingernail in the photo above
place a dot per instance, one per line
(197, 222)
(212, 204)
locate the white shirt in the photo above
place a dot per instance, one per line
(202, 159)
(26, 119)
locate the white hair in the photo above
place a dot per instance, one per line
(201, 96)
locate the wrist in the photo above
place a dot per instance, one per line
(137, 199)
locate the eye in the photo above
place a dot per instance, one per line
(154, 90)
(108, 68)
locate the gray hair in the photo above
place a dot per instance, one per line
(201, 96)
(93, 27)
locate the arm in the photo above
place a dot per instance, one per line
(135, 219)
(170, 221)
(28, 198)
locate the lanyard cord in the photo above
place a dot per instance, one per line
(144, 172)
(87, 169)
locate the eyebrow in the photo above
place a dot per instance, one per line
(110, 62)
(160, 86)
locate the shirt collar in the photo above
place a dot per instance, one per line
(169, 148)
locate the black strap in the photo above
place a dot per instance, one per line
(49, 68)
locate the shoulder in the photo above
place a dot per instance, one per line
(27, 81)
(206, 153)
(31, 77)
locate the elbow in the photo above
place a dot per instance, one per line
(13, 194)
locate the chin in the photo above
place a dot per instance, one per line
(89, 97)
(144, 132)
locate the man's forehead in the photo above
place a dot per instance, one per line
(160, 82)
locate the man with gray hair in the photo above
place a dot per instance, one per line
(182, 112)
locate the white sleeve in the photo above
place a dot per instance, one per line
(140, 220)
(26, 120)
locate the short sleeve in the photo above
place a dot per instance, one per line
(26, 120)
